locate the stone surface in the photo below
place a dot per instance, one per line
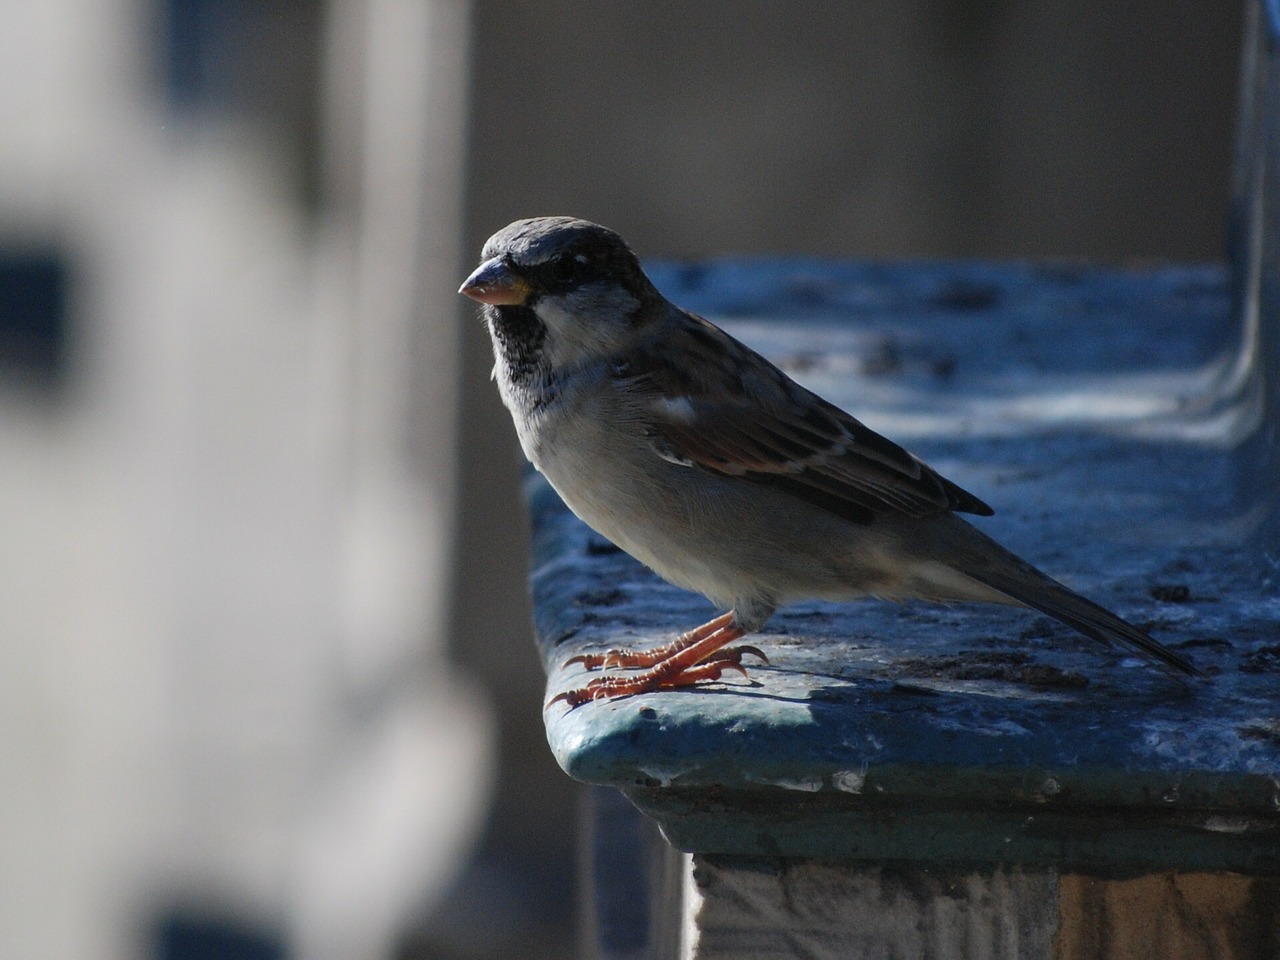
(770, 909)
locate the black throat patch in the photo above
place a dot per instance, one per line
(520, 336)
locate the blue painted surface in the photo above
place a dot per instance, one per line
(1093, 408)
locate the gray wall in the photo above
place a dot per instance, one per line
(1096, 129)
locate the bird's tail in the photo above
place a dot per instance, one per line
(1024, 584)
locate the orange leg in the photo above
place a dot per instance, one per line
(647, 658)
(693, 657)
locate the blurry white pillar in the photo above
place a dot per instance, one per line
(402, 815)
(394, 141)
(224, 688)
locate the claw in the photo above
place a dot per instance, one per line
(734, 655)
(607, 688)
(707, 670)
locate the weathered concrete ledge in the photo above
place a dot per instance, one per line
(1095, 409)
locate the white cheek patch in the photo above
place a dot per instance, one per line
(588, 322)
(569, 338)
(554, 312)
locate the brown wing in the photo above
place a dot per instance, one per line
(743, 417)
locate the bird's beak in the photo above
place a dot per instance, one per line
(495, 284)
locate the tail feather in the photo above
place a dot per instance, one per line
(1030, 587)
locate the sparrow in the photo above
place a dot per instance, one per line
(704, 461)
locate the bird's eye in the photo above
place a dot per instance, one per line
(568, 271)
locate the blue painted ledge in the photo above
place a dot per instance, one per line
(1099, 411)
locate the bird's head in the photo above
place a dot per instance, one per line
(569, 288)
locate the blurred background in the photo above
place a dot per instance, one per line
(266, 680)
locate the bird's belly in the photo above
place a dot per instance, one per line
(730, 540)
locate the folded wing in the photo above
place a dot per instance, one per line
(748, 419)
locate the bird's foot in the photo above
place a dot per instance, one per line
(632, 659)
(609, 688)
(696, 656)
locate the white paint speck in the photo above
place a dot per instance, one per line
(849, 781)
(1227, 824)
(803, 784)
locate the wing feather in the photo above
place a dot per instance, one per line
(745, 418)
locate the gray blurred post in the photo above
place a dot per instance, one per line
(395, 102)
(225, 692)
(395, 107)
